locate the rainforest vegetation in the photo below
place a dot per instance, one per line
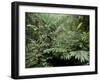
(53, 40)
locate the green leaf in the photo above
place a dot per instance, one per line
(79, 25)
(80, 55)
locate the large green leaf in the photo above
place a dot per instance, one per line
(80, 55)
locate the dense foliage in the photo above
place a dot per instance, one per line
(56, 40)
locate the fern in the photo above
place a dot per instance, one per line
(82, 56)
(55, 50)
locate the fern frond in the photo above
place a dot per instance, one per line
(80, 55)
